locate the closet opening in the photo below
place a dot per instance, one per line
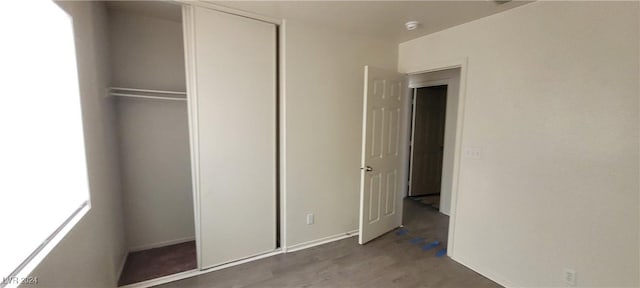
(200, 179)
(148, 90)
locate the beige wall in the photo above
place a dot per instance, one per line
(324, 74)
(147, 52)
(155, 172)
(552, 100)
(91, 254)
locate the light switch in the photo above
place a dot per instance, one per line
(472, 153)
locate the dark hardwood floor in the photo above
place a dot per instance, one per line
(389, 261)
(158, 262)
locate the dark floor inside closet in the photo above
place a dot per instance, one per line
(157, 262)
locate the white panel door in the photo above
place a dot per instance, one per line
(382, 173)
(233, 103)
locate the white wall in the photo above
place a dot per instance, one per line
(324, 74)
(147, 52)
(91, 254)
(552, 100)
(452, 78)
(156, 172)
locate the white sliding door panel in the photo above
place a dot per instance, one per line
(235, 125)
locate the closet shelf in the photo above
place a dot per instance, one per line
(148, 94)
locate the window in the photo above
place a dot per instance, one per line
(43, 181)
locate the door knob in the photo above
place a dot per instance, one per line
(367, 169)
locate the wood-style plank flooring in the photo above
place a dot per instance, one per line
(158, 262)
(389, 261)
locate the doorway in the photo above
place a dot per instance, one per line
(422, 218)
(432, 140)
(385, 204)
(433, 113)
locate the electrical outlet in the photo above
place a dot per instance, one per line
(311, 219)
(570, 277)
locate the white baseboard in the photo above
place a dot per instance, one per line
(495, 277)
(312, 243)
(161, 244)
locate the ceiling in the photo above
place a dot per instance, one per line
(380, 19)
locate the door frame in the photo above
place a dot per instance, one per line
(412, 120)
(461, 63)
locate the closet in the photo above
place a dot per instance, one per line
(195, 92)
(149, 92)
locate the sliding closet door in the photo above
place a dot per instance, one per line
(233, 101)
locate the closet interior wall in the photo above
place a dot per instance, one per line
(147, 52)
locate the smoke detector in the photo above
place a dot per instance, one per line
(412, 25)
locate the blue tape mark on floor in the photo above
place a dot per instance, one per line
(431, 245)
(421, 241)
(401, 232)
(417, 240)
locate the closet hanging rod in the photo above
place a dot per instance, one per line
(147, 97)
(148, 90)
